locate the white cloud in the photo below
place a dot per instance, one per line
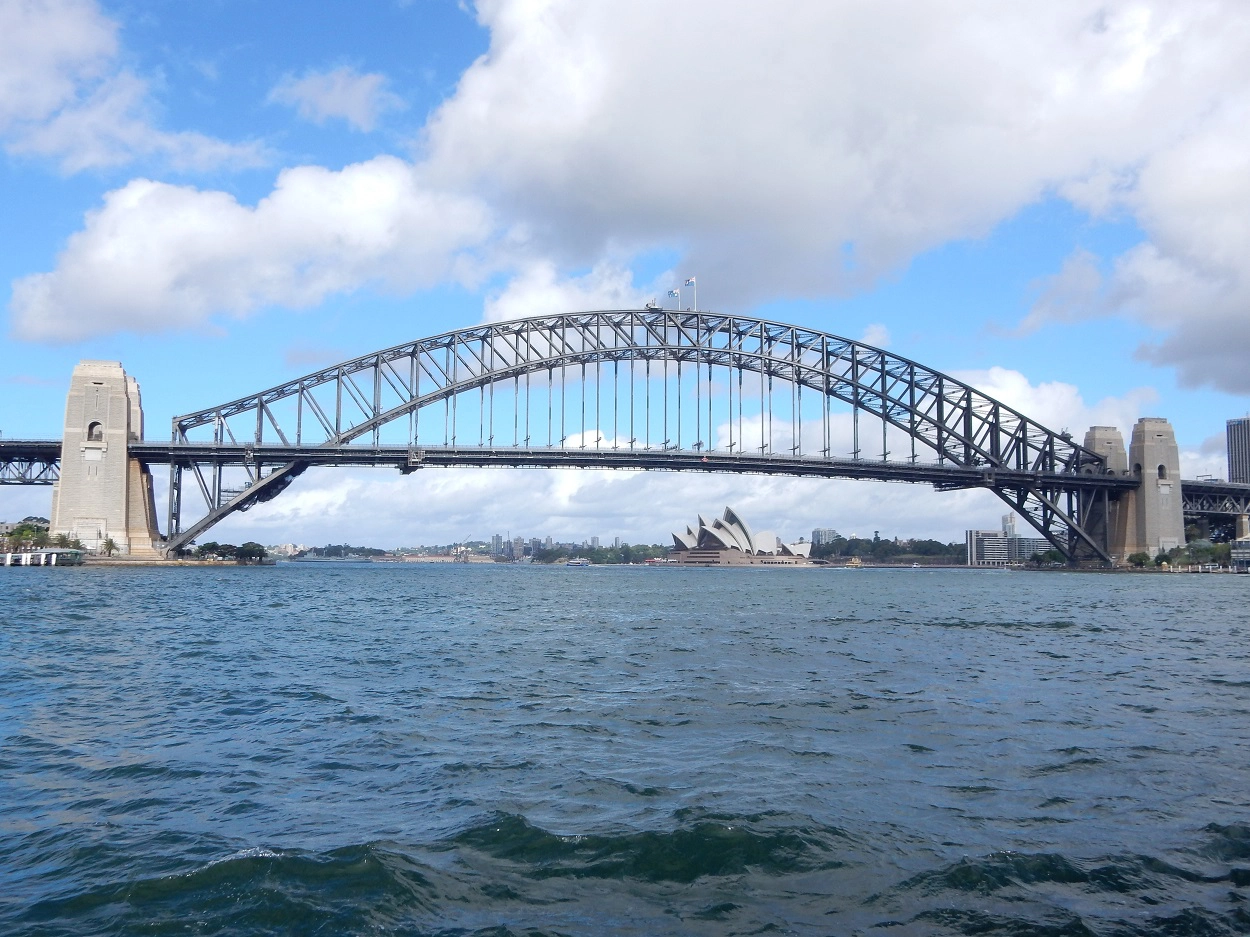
(63, 95)
(539, 290)
(47, 49)
(815, 138)
(159, 256)
(343, 93)
(1059, 406)
(876, 335)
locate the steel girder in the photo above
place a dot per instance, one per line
(30, 461)
(353, 401)
(1211, 498)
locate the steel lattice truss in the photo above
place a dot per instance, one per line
(442, 393)
(1209, 499)
(33, 471)
(30, 461)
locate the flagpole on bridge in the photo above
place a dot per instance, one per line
(690, 281)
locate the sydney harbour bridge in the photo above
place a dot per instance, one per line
(651, 389)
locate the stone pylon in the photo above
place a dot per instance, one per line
(103, 493)
(1158, 521)
(1108, 442)
(1150, 519)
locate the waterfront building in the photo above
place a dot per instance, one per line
(1239, 450)
(1240, 559)
(594, 543)
(1002, 547)
(823, 535)
(496, 545)
(728, 541)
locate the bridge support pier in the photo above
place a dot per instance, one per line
(103, 493)
(1148, 519)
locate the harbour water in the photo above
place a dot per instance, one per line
(382, 749)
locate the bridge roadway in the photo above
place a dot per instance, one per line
(35, 461)
(406, 458)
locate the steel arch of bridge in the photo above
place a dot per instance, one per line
(1059, 486)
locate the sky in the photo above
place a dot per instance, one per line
(1050, 201)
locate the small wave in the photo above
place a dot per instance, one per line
(707, 848)
(1227, 842)
(1119, 874)
(257, 890)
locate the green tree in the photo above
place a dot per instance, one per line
(1138, 559)
(109, 546)
(1161, 559)
(251, 551)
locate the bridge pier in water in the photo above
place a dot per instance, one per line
(104, 493)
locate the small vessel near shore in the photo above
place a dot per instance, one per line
(577, 561)
(53, 556)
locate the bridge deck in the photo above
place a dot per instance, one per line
(1216, 496)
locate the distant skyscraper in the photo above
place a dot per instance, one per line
(594, 543)
(518, 547)
(1239, 450)
(496, 545)
(617, 543)
(549, 543)
(823, 535)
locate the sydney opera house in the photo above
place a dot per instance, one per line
(728, 541)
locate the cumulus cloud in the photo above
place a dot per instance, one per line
(877, 335)
(1060, 406)
(64, 96)
(157, 256)
(341, 93)
(814, 140)
(538, 289)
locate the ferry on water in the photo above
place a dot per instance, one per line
(578, 561)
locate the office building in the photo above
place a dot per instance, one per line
(1002, 547)
(823, 535)
(1239, 450)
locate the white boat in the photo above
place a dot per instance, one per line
(577, 561)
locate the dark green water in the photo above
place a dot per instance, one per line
(358, 749)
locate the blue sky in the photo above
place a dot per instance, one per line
(225, 194)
